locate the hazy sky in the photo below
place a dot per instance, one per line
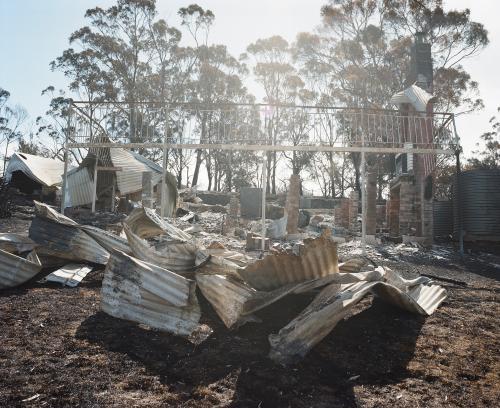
(34, 32)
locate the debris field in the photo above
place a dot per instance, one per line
(156, 316)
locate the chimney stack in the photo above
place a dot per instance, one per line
(421, 71)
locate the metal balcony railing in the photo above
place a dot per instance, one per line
(259, 127)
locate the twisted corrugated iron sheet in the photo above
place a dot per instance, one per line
(15, 270)
(148, 294)
(66, 242)
(16, 243)
(40, 169)
(106, 239)
(317, 259)
(334, 302)
(178, 256)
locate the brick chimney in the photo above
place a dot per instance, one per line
(421, 70)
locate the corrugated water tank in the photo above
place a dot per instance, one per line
(442, 218)
(480, 205)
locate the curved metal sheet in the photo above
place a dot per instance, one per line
(16, 243)
(66, 242)
(106, 239)
(15, 270)
(146, 223)
(129, 179)
(334, 302)
(147, 294)
(40, 169)
(178, 256)
(80, 187)
(317, 259)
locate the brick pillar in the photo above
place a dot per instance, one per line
(353, 211)
(371, 203)
(292, 204)
(147, 189)
(393, 212)
(341, 213)
(407, 216)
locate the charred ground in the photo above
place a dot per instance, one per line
(56, 346)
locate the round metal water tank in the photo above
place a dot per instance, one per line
(442, 218)
(479, 196)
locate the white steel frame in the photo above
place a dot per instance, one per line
(376, 131)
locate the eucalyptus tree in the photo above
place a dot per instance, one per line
(360, 55)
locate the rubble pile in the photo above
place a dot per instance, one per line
(154, 265)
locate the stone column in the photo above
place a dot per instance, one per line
(292, 204)
(147, 189)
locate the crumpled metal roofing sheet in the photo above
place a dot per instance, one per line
(16, 243)
(317, 258)
(80, 187)
(69, 275)
(129, 179)
(333, 303)
(40, 169)
(175, 255)
(15, 270)
(106, 239)
(145, 293)
(45, 211)
(146, 223)
(66, 242)
(235, 301)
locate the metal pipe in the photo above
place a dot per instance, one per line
(363, 202)
(458, 197)
(163, 200)
(263, 205)
(65, 178)
(94, 189)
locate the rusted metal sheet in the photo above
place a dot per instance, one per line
(106, 239)
(148, 294)
(15, 270)
(173, 254)
(16, 243)
(334, 302)
(69, 275)
(316, 259)
(66, 241)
